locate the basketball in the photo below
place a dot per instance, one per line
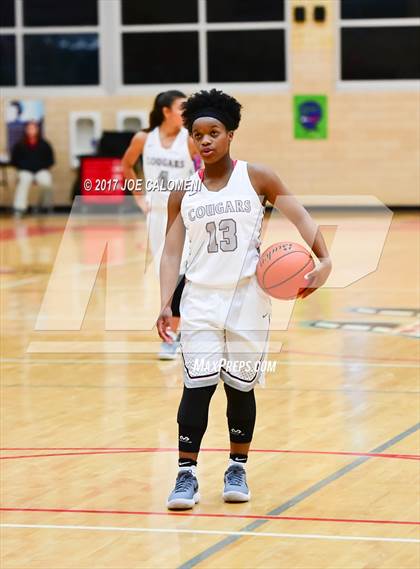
(281, 269)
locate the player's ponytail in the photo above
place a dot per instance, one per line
(164, 99)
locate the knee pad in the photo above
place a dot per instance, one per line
(192, 417)
(241, 414)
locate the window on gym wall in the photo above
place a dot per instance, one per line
(379, 9)
(169, 51)
(155, 55)
(379, 40)
(196, 41)
(253, 55)
(113, 44)
(159, 12)
(7, 44)
(7, 14)
(53, 13)
(7, 61)
(49, 43)
(61, 59)
(245, 10)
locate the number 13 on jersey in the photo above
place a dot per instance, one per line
(228, 242)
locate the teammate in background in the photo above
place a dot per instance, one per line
(224, 314)
(168, 154)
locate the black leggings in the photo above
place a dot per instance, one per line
(193, 415)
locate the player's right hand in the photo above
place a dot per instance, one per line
(163, 325)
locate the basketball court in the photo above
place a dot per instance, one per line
(89, 448)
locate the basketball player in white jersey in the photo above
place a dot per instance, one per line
(224, 314)
(168, 153)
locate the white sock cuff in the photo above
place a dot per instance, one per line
(234, 462)
(192, 468)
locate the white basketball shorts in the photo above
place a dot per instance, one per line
(224, 334)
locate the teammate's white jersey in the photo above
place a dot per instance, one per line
(159, 166)
(223, 229)
(162, 164)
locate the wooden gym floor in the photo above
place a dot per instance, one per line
(89, 429)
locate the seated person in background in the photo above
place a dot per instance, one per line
(32, 157)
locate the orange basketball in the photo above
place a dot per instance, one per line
(281, 269)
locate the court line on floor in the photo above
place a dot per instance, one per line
(27, 231)
(237, 534)
(357, 357)
(133, 450)
(347, 356)
(179, 388)
(77, 269)
(22, 282)
(210, 515)
(218, 546)
(148, 361)
(146, 347)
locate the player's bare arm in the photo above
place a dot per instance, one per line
(268, 184)
(132, 154)
(170, 262)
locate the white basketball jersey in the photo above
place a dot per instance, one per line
(223, 229)
(162, 164)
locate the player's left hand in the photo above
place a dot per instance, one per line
(163, 324)
(316, 278)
